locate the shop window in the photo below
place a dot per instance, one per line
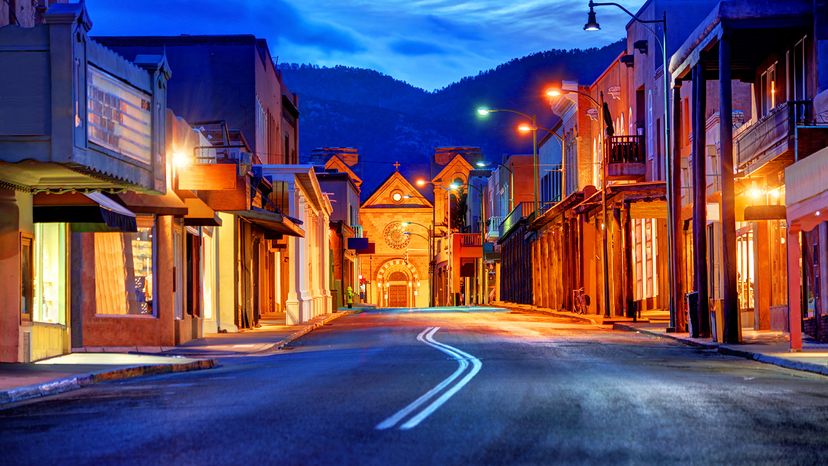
(49, 303)
(124, 265)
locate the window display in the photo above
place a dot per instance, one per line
(124, 271)
(50, 273)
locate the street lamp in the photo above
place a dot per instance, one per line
(484, 111)
(556, 92)
(672, 166)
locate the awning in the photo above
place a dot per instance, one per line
(163, 204)
(271, 221)
(200, 214)
(84, 212)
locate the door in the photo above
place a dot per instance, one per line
(398, 296)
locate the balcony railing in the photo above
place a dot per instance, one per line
(493, 228)
(468, 240)
(522, 210)
(769, 137)
(626, 157)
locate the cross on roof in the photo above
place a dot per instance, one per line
(397, 166)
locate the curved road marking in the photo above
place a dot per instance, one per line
(462, 358)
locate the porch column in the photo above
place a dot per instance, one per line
(730, 304)
(629, 280)
(763, 276)
(794, 289)
(700, 200)
(676, 286)
(294, 245)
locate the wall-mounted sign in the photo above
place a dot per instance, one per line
(119, 116)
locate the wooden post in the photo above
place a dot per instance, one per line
(676, 287)
(794, 289)
(629, 279)
(700, 200)
(730, 304)
(763, 276)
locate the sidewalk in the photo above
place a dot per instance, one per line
(766, 347)
(268, 337)
(593, 319)
(19, 382)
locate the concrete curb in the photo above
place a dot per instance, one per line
(731, 351)
(67, 384)
(300, 333)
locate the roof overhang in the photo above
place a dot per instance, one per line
(740, 17)
(272, 222)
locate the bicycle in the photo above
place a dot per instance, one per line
(580, 301)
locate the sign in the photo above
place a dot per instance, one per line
(208, 177)
(358, 244)
(119, 116)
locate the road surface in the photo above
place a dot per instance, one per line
(471, 387)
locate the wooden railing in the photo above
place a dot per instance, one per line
(754, 141)
(522, 210)
(470, 239)
(625, 149)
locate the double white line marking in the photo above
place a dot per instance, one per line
(463, 359)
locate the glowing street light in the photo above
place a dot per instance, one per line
(483, 111)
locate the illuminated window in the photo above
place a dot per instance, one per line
(124, 271)
(397, 196)
(50, 273)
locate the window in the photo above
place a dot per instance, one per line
(49, 303)
(645, 260)
(124, 264)
(397, 196)
(26, 278)
(767, 90)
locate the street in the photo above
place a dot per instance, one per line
(546, 390)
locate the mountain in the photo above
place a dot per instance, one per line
(390, 120)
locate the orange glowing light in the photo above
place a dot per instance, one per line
(553, 92)
(524, 128)
(420, 182)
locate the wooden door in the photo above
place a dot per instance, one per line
(398, 296)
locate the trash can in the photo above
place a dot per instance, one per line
(693, 311)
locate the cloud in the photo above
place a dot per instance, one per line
(272, 19)
(416, 47)
(429, 43)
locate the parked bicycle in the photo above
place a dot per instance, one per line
(580, 301)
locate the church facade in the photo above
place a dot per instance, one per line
(397, 219)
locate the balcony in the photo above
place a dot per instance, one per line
(767, 145)
(493, 227)
(625, 158)
(522, 210)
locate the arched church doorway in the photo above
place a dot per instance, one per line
(398, 289)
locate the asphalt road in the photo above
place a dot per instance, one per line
(546, 391)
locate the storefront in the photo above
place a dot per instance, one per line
(101, 131)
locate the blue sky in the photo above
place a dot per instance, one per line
(428, 43)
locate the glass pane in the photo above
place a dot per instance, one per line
(50, 273)
(124, 272)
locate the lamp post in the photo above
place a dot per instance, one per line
(555, 92)
(430, 240)
(672, 166)
(483, 111)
